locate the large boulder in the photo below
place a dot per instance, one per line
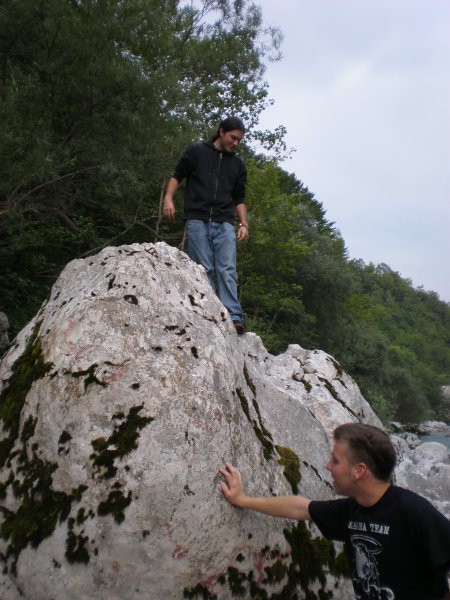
(119, 403)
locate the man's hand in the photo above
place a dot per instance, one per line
(242, 233)
(233, 490)
(169, 208)
(289, 507)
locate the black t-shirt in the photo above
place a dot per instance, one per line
(398, 549)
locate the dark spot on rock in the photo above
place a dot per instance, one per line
(194, 352)
(63, 442)
(111, 282)
(130, 298)
(115, 505)
(188, 491)
(135, 386)
(91, 377)
(192, 300)
(308, 386)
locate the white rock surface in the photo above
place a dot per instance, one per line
(149, 391)
(424, 468)
(433, 426)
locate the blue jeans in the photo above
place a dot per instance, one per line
(213, 245)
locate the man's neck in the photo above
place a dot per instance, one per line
(369, 495)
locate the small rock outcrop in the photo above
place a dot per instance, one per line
(119, 402)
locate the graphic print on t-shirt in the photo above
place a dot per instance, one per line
(366, 577)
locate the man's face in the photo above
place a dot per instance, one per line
(230, 139)
(341, 469)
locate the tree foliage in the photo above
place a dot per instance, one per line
(298, 286)
(98, 98)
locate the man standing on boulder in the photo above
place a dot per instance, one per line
(397, 543)
(215, 189)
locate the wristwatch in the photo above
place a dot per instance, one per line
(243, 225)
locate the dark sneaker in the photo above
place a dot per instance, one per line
(239, 326)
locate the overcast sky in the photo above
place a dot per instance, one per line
(363, 89)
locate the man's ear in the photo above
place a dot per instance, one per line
(359, 471)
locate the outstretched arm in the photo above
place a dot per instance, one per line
(289, 507)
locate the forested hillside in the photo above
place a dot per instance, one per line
(97, 101)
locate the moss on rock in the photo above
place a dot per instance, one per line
(276, 572)
(115, 505)
(301, 569)
(122, 441)
(28, 368)
(199, 591)
(40, 508)
(76, 550)
(291, 464)
(30, 478)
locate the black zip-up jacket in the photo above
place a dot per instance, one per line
(215, 182)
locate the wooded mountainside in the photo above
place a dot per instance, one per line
(99, 98)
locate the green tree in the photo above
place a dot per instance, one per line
(98, 98)
(268, 261)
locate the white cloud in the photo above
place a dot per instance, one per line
(364, 90)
